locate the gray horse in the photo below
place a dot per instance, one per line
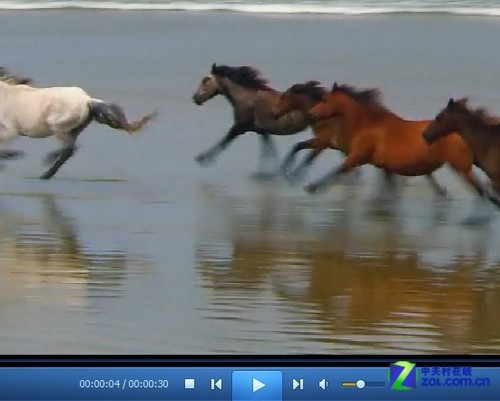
(252, 100)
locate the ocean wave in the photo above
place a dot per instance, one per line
(249, 7)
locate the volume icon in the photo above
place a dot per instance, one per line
(323, 384)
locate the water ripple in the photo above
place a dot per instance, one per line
(355, 283)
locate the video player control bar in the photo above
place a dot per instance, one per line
(400, 381)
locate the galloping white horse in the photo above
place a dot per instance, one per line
(61, 111)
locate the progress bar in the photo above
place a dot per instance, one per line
(362, 384)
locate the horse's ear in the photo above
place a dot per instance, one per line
(214, 68)
(335, 86)
(451, 102)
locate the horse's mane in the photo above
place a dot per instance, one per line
(245, 76)
(371, 98)
(310, 88)
(7, 77)
(480, 114)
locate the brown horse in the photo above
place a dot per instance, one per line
(251, 98)
(379, 137)
(479, 130)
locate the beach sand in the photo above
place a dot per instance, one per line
(134, 248)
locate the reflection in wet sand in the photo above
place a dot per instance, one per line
(48, 257)
(349, 280)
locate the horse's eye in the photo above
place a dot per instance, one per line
(205, 80)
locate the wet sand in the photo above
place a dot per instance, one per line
(134, 248)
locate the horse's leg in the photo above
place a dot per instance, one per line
(293, 175)
(493, 194)
(268, 156)
(51, 157)
(289, 158)
(351, 161)
(384, 198)
(298, 173)
(209, 156)
(439, 190)
(64, 155)
(483, 216)
(353, 177)
(8, 154)
(440, 193)
(69, 148)
(386, 183)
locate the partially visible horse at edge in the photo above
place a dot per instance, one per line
(479, 130)
(60, 111)
(252, 99)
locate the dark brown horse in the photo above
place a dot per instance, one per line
(379, 137)
(251, 98)
(479, 130)
(327, 133)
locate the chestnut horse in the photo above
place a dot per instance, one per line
(479, 130)
(379, 137)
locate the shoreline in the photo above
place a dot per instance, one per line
(261, 14)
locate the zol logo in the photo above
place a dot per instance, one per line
(403, 375)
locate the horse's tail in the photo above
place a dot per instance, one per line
(113, 116)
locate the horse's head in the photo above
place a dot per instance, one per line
(445, 122)
(286, 103)
(208, 88)
(328, 106)
(299, 97)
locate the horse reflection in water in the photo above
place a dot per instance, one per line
(367, 283)
(51, 256)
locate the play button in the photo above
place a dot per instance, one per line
(257, 385)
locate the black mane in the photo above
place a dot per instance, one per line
(310, 88)
(245, 76)
(479, 114)
(371, 98)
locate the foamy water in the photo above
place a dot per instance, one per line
(359, 7)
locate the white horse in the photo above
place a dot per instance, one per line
(61, 111)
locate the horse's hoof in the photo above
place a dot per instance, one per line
(292, 177)
(494, 200)
(264, 176)
(476, 221)
(312, 188)
(204, 159)
(352, 178)
(383, 200)
(384, 212)
(11, 154)
(46, 176)
(442, 194)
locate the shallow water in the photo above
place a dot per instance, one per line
(133, 248)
